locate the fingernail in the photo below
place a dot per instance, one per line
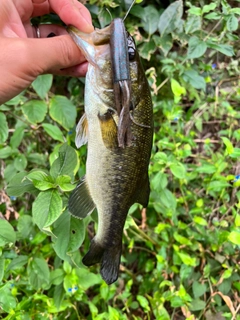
(51, 35)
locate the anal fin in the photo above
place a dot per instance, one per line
(80, 203)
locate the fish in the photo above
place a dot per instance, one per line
(118, 127)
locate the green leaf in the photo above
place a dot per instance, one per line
(4, 128)
(37, 175)
(234, 237)
(194, 79)
(87, 279)
(53, 131)
(206, 168)
(159, 181)
(64, 183)
(35, 110)
(237, 220)
(165, 43)
(223, 48)
(208, 7)
(199, 220)
(41, 180)
(63, 111)
(44, 185)
(7, 233)
(2, 264)
(19, 185)
(7, 301)
(58, 296)
(232, 23)
(17, 263)
(186, 259)
(193, 23)
(213, 16)
(182, 240)
(150, 19)
(70, 233)
(217, 185)
(177, 89)
(38, 273)
(236, 153)
(195, 11)
(170, 18)
(143, 302)
(198, 289)
(228, 144)
(42, 85)
(5, 152)
(167, 199)
(178, 170)
(20, 162)
(25, 226)
(17, 137)
(196, 48)
(197, 304)
(47, 208)
(147, 49)
(57, 276)
(67, 162)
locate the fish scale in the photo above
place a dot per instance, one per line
(116, 176)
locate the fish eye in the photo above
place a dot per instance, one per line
(131, 53)
(131, 48)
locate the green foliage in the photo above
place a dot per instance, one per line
(181, 261)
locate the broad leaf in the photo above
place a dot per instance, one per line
(38, 273)
(20, 162)
(42, 85)
(17, 137)
(223, 48)
(4, 128)
(47, 208)
(70, 233)
(35, 110)
(232, 23)
(193, 78)
(178, 170)
(170, 18)
(67, 162)
(196, 48)
(53, 131)
(7, 233)
(19, 185)
(150, 19)
(63, 111)
(193, 23)
(234, 237)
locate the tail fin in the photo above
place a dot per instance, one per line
(109, 258)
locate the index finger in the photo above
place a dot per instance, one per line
(73, 12)
(70, 11)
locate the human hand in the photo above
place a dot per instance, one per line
(23, 58)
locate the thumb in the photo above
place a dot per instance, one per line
(50, 55)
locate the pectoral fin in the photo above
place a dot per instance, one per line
(108, 129)
(80, 202)
(81, 132)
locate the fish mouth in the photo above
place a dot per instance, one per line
(89, 42)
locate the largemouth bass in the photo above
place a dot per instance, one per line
(119, 142)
